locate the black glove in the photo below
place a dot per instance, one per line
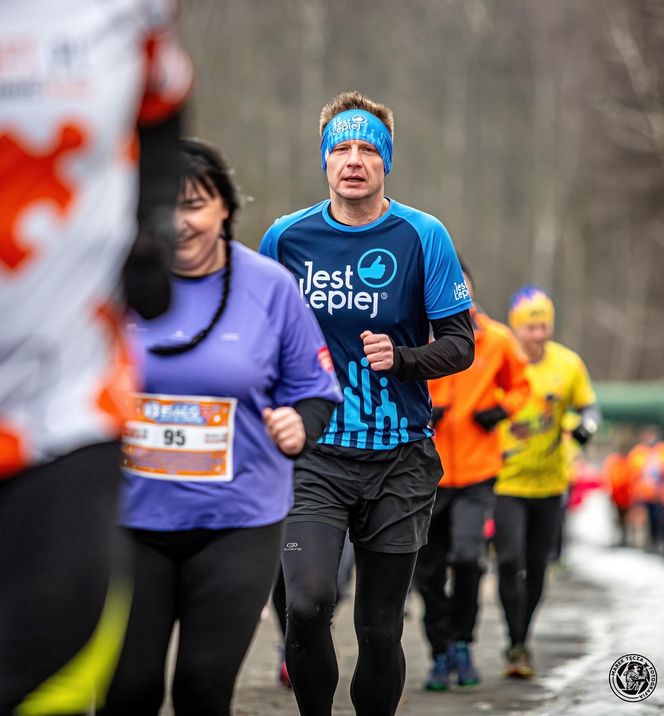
(582, 434)
(489, 418)
(590, 418)
(146, 274)
(146, 277)
(437, 414)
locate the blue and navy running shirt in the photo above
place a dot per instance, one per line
(390, 276)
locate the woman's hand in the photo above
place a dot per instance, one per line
(285, 427)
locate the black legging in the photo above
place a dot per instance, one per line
(346, 566)
(61, 562)
(455, 542)
(525, 532)
(215, 583)
(311, 563)
(279, 600)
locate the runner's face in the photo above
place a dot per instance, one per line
(198, 220)
(355, 171)
(533, 337)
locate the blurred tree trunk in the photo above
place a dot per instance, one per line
(534, 130)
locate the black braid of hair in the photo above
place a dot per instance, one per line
(207, 167)
(203, 333)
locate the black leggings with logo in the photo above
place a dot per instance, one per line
(311, 563)
(215, 583)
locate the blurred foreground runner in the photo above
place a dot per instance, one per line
(76, 79)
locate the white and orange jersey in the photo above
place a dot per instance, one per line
(76, 78)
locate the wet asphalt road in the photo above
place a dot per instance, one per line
(560, 636)
(589, 618)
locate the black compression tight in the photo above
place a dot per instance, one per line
(279, 601)
(215, 582)
(525, 532)
(311, 562)
(346, 567)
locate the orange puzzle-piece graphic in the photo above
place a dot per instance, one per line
(26, 178)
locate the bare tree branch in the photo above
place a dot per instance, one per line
(639, 74)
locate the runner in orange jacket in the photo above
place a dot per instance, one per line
(617, 474)
(466, 408)
(646, 468)
(474, 401)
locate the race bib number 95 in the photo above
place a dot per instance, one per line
(180, 437)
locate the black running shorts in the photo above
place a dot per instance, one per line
(383, 497)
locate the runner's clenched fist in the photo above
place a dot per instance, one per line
(285, 427)
(379, 350)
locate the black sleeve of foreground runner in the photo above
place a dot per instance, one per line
(315, 414)
(451, 351)
(146, 274)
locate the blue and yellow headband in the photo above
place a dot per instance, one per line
(357, 124)
(530, 304)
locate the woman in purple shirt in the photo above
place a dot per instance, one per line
(237, 381)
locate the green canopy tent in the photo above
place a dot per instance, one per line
(636, 403)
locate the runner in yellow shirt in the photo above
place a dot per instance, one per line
(535, 474)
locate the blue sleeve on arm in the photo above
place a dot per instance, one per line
(445, 291)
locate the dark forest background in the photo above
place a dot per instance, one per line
(534, 129)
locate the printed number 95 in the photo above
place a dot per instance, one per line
(174, 437)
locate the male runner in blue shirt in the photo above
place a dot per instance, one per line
(379, 276)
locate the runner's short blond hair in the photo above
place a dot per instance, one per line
(356, 100)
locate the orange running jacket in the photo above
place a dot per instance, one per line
(469, 453)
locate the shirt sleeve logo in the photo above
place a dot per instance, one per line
(461, 292)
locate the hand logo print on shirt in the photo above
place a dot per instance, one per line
(377, 268)
(375, 271)
(31, 177)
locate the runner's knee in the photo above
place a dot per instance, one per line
(379, 636)
(468, 552)
(508, 565)
(311, 607)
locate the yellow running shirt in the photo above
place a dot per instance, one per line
(535, 459)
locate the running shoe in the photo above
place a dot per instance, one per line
(283, 678)
(439, 678)
(462, 658)
(518, 663)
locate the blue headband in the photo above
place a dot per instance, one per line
(357, 124)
